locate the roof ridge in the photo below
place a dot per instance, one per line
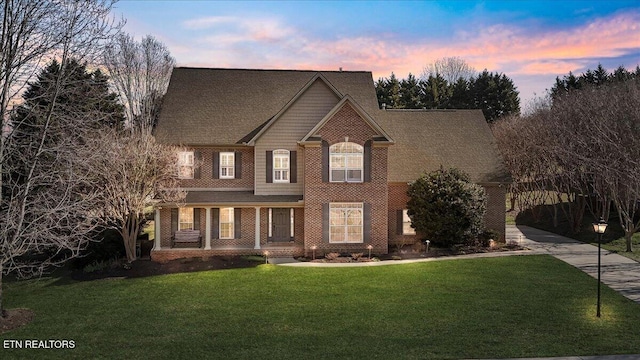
(428, 110)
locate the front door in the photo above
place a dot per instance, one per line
(281, 225)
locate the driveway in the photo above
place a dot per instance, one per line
(618, 272)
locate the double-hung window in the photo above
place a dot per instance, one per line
(345, 223)
(185, 219)
(185, 165)
(281, 166)
(406, 224)
(345, 162)
(227, 165)
(227, 230)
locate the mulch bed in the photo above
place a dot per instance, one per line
(144, 268)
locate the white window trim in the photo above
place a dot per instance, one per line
(354, 206)
(405, 220)
(270, 232)
(292, 222)
(184, 222)
(231, 167)
(186, 160)
(281, 153)
(231, 222)
(346, 168)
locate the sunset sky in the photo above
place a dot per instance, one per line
(532, 42)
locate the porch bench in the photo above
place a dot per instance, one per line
(187, 237)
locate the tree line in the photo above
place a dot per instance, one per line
(578, 151)
(448, 84)
(599, 76)
(78, 101)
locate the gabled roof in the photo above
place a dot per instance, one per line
(229, 106)
(347, 99)
(425, 139)
(317, 77)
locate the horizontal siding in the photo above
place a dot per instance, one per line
(294, 124)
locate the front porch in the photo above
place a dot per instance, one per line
(229, 229)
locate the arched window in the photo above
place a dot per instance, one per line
(345, 162)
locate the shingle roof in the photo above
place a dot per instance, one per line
(425, 139)
(224, 106)
(237, 197)
(229, 106)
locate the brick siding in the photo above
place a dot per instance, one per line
(206, 179)
(494, 219)
(346, 122)
(398, 199)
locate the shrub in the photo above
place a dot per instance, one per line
(446, 207)
(356, 256)
(107, 246)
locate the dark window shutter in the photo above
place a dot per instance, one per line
(238, 164)
(196, 218)
(366, 223)
(215, 223)
(325, 161)
(325, 223)
(367, 161)
(216, 165)
(292, 238)
(237, 221)
(174, 220)
(399, 222)
(269, 166)
(293, 166)
(197, 155)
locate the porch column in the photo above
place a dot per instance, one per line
(156, 224)
(257, 245)
(207, 229)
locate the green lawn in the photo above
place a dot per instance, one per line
(519, 306)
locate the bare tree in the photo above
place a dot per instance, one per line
(450, 68)
(140, 72)
(47, 209)
(135, 171)
(583, 152)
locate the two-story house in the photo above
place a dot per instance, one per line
(292, 162)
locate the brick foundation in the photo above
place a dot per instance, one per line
(173, 254)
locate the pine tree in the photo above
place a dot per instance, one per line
(495, 94)
(410, 93)
(436, 92)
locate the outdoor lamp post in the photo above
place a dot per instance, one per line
(599, 228)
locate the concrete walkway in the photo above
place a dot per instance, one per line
(618, 272)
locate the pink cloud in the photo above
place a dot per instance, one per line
(519, 52)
